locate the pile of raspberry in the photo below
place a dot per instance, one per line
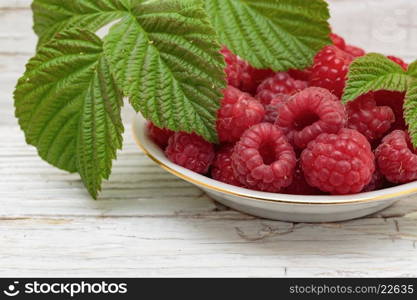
(288, 132)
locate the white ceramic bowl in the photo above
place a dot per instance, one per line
(275, 206)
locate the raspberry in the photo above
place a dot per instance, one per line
(330, 68)
(281, 83)
(241, 75)
(303, 75)
(395, 100)
(369, 119)
(258, 76)
(338, 41)
(354, 51)
(399, 61)
(190, 151)
(377, 182)
(309, 113)
(299, 186)
(397, 158)
(271, 110)
(159, 135)
(341, 163)
(236, 70)
(263, 159)
(222, 166)
(238, 112)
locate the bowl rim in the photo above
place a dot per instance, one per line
(153, 151)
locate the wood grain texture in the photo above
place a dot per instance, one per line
(149, 223)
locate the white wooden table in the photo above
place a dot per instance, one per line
(148, 223)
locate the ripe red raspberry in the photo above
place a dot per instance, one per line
(330, 69)
(263, 159)
(222, 166)
(236, 70)
(395, 100)
(369, 119)
(303, 75)
(258, 76)
(190, 151)
(241, 75)
(271, 110)
(280, 83)
(338, 41)
(238, 112)
(299, 185)
(355, 51)
(159, 135)
(341, 163)
(377, 182)
(396, 157)
(309, 113)
(399, 61)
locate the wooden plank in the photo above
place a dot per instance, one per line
(382, 26)
(16, 35)
(182, 246)
(14, 4)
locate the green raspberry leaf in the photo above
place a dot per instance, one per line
(166, 59)
(52, 16)
(374, 72)
(272, 34)
(410, 109)
(68, 106)
(412, 69)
